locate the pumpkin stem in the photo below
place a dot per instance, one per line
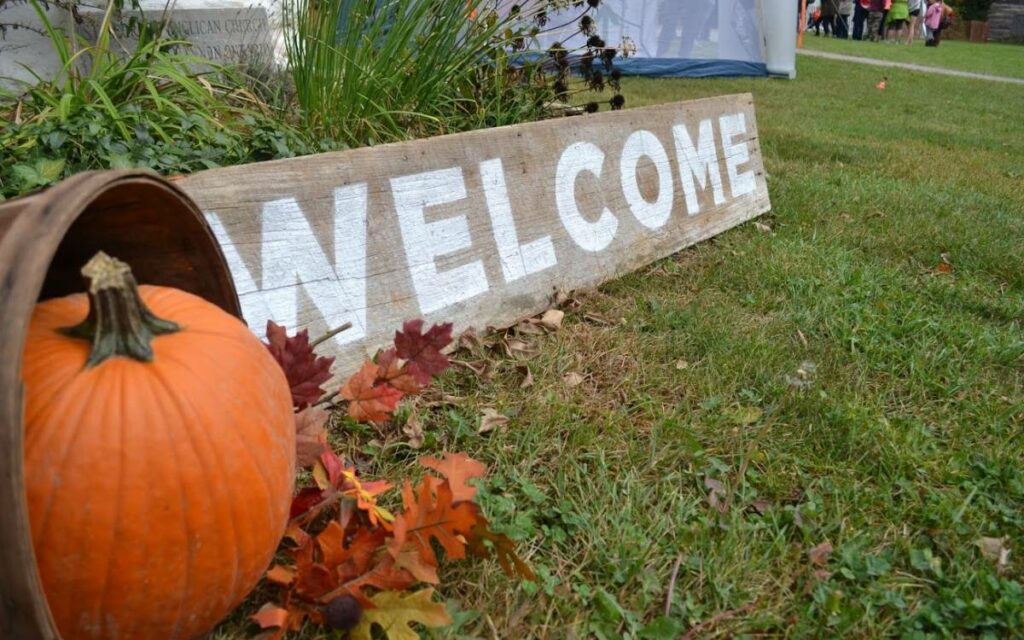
(119, 322)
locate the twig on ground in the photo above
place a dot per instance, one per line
(699, 629)
(672, 583)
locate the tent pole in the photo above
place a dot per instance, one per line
(803, 23)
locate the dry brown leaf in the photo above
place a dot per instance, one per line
(566, 300)
(760, 226)
(995, 549)
(524, 371)
(310, 435)
(682, 364)
(519, 347)
(479, 367)
(413, 429)
(468, 340)
(491, 420)
(596, 318)
(573, 379)
(530, 327)
(717, 495)
(820, 554)
(552, 319)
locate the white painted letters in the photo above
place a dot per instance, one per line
(517, 260)
(736, 154)
(652, 215)
(424, 241)
(700, 163)
(292, 255)
(589, 236)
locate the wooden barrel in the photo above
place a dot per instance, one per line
(45, 238)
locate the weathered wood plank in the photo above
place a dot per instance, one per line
(478, 228)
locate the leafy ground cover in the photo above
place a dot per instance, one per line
(809, 426)
(991, 58)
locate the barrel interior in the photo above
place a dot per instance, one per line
(148, 226)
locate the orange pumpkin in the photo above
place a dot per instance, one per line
(159, 458)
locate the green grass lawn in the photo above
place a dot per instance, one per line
(837, 383)
(990, 58)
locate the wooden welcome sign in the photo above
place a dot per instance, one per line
(478, 228)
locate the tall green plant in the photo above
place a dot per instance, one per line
(150, 107)
(369, 71)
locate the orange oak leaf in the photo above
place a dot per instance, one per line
(369, 401)
(457, 468)
(425, 518)
(384, 575)
(310, 435)
(423, 350)
(408, 557)
(304, 370)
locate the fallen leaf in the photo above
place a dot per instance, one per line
(423, 350)
(304, 370)
(530, 327)
(310, 435)
(502, 547)
(479, 367)
(491, 420)
(394, 611)
(552, 319)
(820, 554)
(682, 364)
(409, 558)
(270, 615)
(527, 376)
(744, 415)
(395, 372)
(519, 347)
(760, 226)
(413, 429)
(761, 506)
(281, 574)
(995, 550)
(431, 513)
(573, 379)
(717, 495)
(367, 402)
(944, 267)
(458, 469)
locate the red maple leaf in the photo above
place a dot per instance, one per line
(369, 400)
(423, 350)
(304, 370)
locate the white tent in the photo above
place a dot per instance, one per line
(690, 38)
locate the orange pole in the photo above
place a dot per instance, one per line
(803, 23)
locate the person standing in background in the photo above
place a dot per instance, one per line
(876, 14)
(829, 12)
(860, 14)
(896, 20)
(915, 9)
(843, 20)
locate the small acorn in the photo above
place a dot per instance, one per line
(343, 613)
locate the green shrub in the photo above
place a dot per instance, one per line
(149, 108)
